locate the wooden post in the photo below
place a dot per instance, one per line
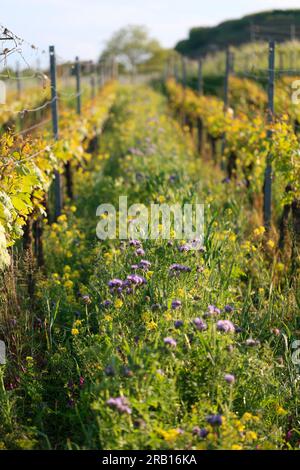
(268, 170)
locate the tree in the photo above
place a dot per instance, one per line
(131, 46)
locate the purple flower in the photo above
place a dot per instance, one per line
(144, 264)
(136, 280)
(134, 267)
(200, 324)
(214, 420)
(184, 248)
(170, 342)
(107, 303)
(115, 283)
(135, 243)
(140, 252)
(225, 326)
(228, 309)
(120, 404)
(179, 268)
(200, 432)
(178, 323)
(212, 311)
(175, 304)
(229, 378)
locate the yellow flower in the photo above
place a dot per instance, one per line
(62, 218)
(279, 267)
(151, 325)
(74, 332)
(73, 209)
(118, 303)
(170, 435)
(251, 436)
(236, 447)
(271, 244)
(55, 276)
(149, 274)
(161, 199)
(29, 359)
(77, 323)
(108, 318)
(281, 411)
(68, 284)
(259, 231)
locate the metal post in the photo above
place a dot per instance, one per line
(78, 86)
(268, 170)
(19, 85)
(93, 82)
(54, 111)
(200, 76)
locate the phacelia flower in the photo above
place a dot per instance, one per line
(201, 432)
(135, 243)
(170, 342)
(212, 311)
(229, 378)
(140, 252)
(228, 309)
(175, 304)
(214, 420)
(179, 268)
(144, 264)
(178, 323)
(200, 324)
(120, 404)
(225, 326)
(115, 283)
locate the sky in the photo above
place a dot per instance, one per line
(81, 27)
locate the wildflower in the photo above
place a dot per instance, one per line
(214, 420)
(270, 244)
(225, 326)
(276, 331)
(107, 303)
(151, 325)
(236, 447)
(200, 324)
(229, 378)
(200, 432)
(86, 299)
(179, 268)
(251, 436)
(281, 411)
(135, 243)
(175, 304)
(184, 248)
(115, 283)
(81, 381)
(212, 310)
(140, 252)
(120, 404)
(170, 342)
(178, 323)
(118, 303)
(228, 309)
(136, 279)
(144, 264)
(77, 323)
(74, 332)
(68, 284)
(259, 231)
